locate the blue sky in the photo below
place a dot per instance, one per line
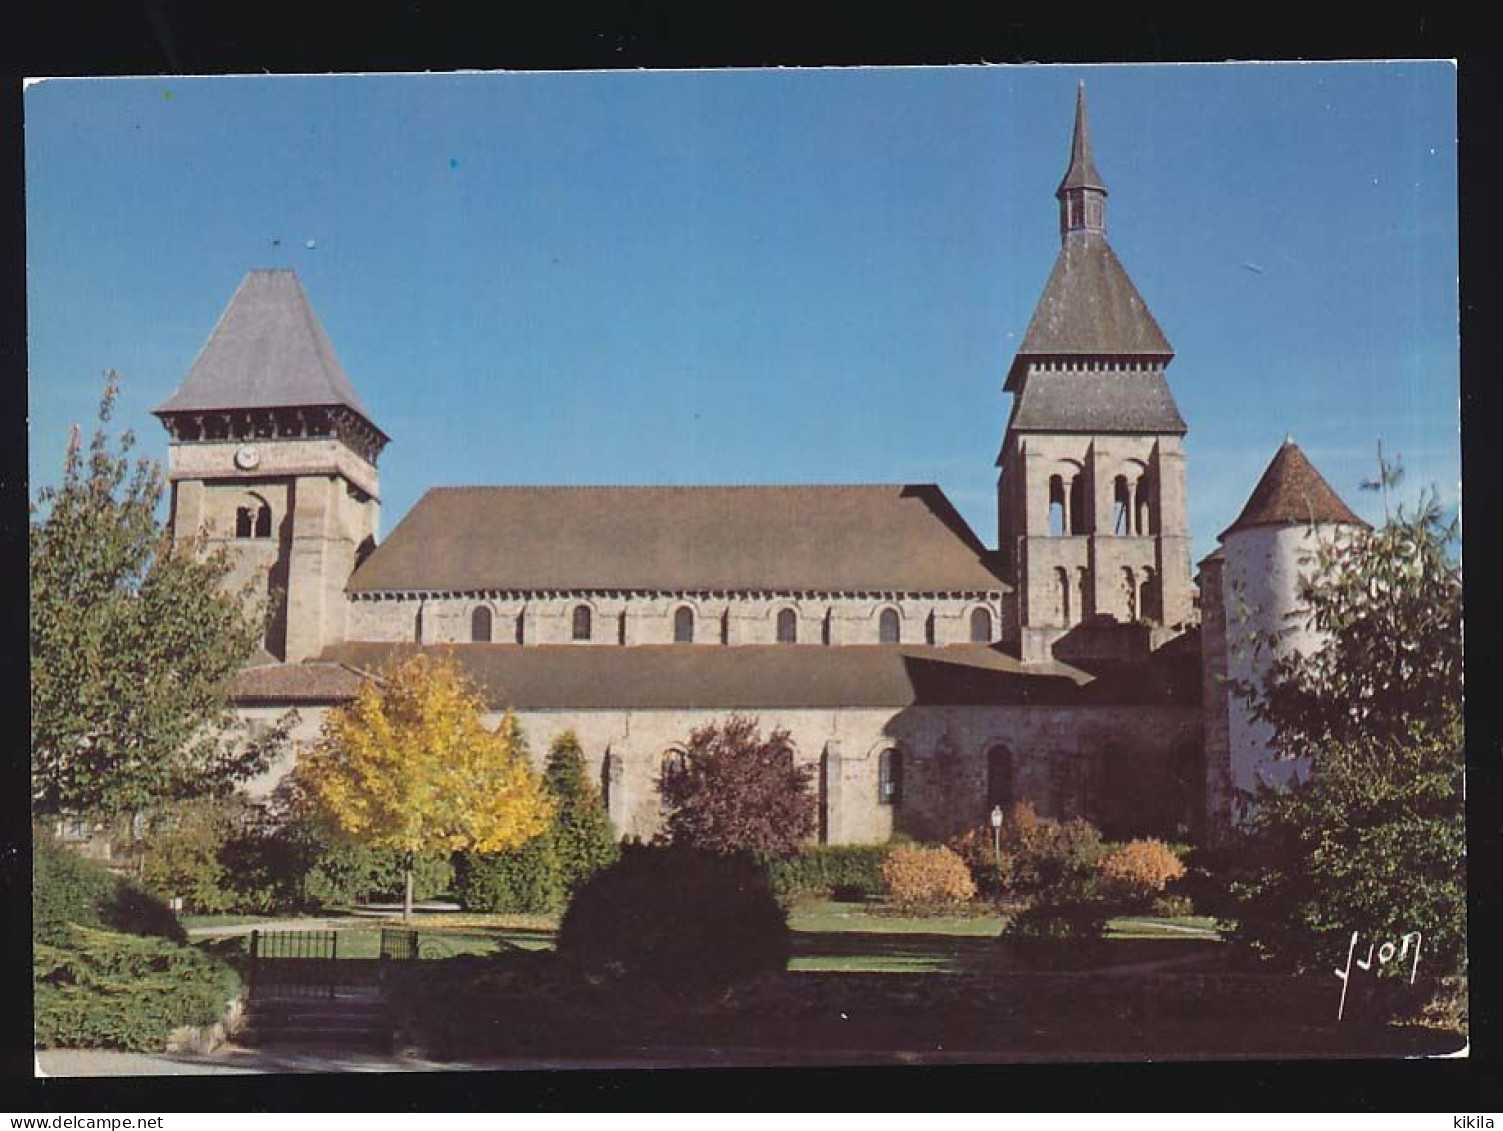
(761, 276)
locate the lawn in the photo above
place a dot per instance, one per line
(828, 936)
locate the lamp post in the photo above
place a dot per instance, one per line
(997, 834)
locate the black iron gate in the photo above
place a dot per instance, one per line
(294, 963)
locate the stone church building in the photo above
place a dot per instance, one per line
(924, 675)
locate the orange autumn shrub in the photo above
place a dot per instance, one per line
(1139, 870)
(916, 876)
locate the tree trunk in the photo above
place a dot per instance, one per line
(407, 892)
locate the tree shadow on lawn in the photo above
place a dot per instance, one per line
(860, 951)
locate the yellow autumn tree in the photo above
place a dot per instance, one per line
(410, 766)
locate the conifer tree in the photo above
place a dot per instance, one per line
(583, 842)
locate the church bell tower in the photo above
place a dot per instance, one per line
(273, 457)
(1091, 498)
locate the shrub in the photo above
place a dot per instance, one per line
(67, 889)
(525, 880)
(677, 918)
(1171, 906)
(993, 872)
(102, 989)
(1062, 921)
(918, 877)
(1056, 860)
(1138, 871)
(356, 873)
(183, 855)
(844, 871)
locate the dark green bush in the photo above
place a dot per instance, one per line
(1057, 861)
(842, 871)
(526, 880)
(1067, 920)
(341, 874)
(67, 889)
(101, 989)
(677, 918)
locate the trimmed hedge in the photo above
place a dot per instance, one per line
(103, 989)
(68, 889)
(844, 871)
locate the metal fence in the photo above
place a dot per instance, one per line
(399, 944)
(294, 963)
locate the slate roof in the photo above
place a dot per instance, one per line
(267, 351)
(1082, 171)
(1096, 401)
(895, 537)
(639, 677)
(1090, 307)
(309, 683)
(1292, 493)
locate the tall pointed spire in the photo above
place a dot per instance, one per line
(1081, 193)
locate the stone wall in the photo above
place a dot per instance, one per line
(649, 618)
(1101, 762)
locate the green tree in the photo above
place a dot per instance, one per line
(410, 766)
(583, 842)
(134, 642)
(1371, 836)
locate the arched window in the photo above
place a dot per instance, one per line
(621, 627)
(981, 626)
(521, 627)
(1056, 506)
(787, 627)
(253, 518)
(417, 625)
(998, 778)
(890, 777)
(889, 627)
(1130, 590)
(725, 627)
(683, 625)
(929, 628)
(826, 627)
(1084, 601)
(673, 763)
(480, 625)
(1062, 593)
(1148, 605)
(1078, 505)
(1121, 505)
(581, 622)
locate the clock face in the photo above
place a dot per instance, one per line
(247, 458)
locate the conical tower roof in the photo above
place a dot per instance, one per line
(1082, 171)
(1293, 493)
(268, 351)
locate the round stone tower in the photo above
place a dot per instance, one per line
(1253, 614)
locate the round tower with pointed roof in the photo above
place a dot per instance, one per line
(1091, 499)
(1251, 600)
(273, 456)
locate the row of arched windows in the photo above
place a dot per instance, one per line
(1073, 601)
(1132, 507)
(582, 626)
